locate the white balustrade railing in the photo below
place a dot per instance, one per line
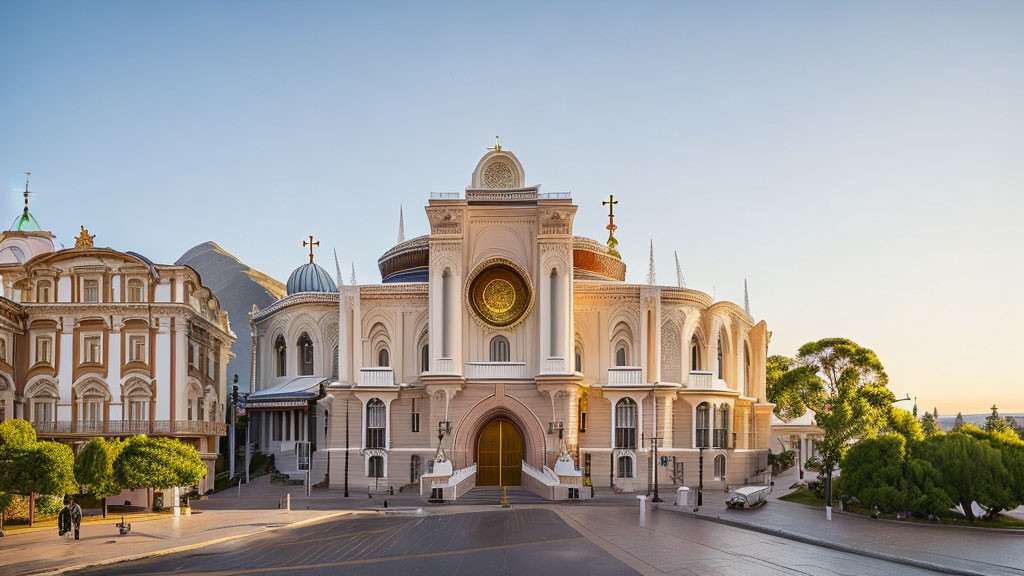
(378, 376)
(546, 477)
(700, 380)
(625, 376)
(495, 370)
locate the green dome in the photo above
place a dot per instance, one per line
(25, 223)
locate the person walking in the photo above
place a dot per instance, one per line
(76, 517)
(64, 518)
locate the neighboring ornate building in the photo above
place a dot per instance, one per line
(96, 342)
(523, 347)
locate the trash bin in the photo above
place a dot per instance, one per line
(682, 496)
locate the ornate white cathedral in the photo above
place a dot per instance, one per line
(501, 349)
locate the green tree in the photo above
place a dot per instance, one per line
(94, 467)
(791, 386)
(958, 423)
(971, 469)
(994, 422)
(855, 403)
(930, 425)
(905, 424)
(147, 462)
(33, 467)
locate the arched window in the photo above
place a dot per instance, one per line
(305, 350)
(746, 368)
(703, 424)
(383, 358)
(135, 290)
(579, 359)
(720, 467)
(425, 358)
(3, 349)
(625, 423)
(720, 363)
(376, 467)
(625, 465)
(721, 435)
(43, 291)
(620, 354)
(499, 349)
(281, 357)
(694, 354)
(376, 422)
(414, 469)
(334, 363)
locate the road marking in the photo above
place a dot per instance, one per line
(365, 561)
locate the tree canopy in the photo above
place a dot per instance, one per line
(30, 465)
(790, 386)
(161, 463)
(94, 466)
(930, 424)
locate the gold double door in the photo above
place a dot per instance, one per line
(499, 455)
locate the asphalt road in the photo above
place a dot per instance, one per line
(526, 541)
(530, 541)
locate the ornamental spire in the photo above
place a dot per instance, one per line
(353, 280)
(746, 298)
(679, 273)
(401, 225)
(337, 268)
(611, 227)
(27, 176)
(650, 267)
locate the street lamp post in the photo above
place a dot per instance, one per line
(248, 425)
(347, 398)
(654, 450)
(233, 402)
(700, 481)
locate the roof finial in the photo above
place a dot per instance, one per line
(611, 227)
(497, 146)
(27, 176)
(337, 268)
(401, 225)
(310, 243)
(84, 239)
(746, 298)
(679, 272)
(650, 267)
(353, 279)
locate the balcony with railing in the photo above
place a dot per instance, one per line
(701, 380)
(495, 370)
(129, 427)
(376, 376)
(625, 376)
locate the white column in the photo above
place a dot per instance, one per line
(343, 338)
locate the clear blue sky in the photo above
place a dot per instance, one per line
(860, 164)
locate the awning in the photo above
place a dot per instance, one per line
(296, 392)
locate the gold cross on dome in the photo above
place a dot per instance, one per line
(610, 203)
(310, 243)
(497, 146)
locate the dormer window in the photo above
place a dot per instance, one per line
(135, 290)
(92, 291)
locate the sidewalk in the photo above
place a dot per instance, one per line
(45, 552)
(954, 549)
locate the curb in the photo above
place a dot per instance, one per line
(796, 536)
(187, 547)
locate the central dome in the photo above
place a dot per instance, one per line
(310, 278)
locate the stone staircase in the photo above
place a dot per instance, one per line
(483, 495)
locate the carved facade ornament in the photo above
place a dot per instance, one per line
(498, 174)
(556, 222)
(445, 221)
(84, 239)
(498, 293)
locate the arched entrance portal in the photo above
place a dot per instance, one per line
(499, 454)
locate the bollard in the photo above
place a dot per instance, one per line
(288, 502)
(828, 513)
(682, 496)
(643, 509)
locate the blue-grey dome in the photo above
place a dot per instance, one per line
(310, 278)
